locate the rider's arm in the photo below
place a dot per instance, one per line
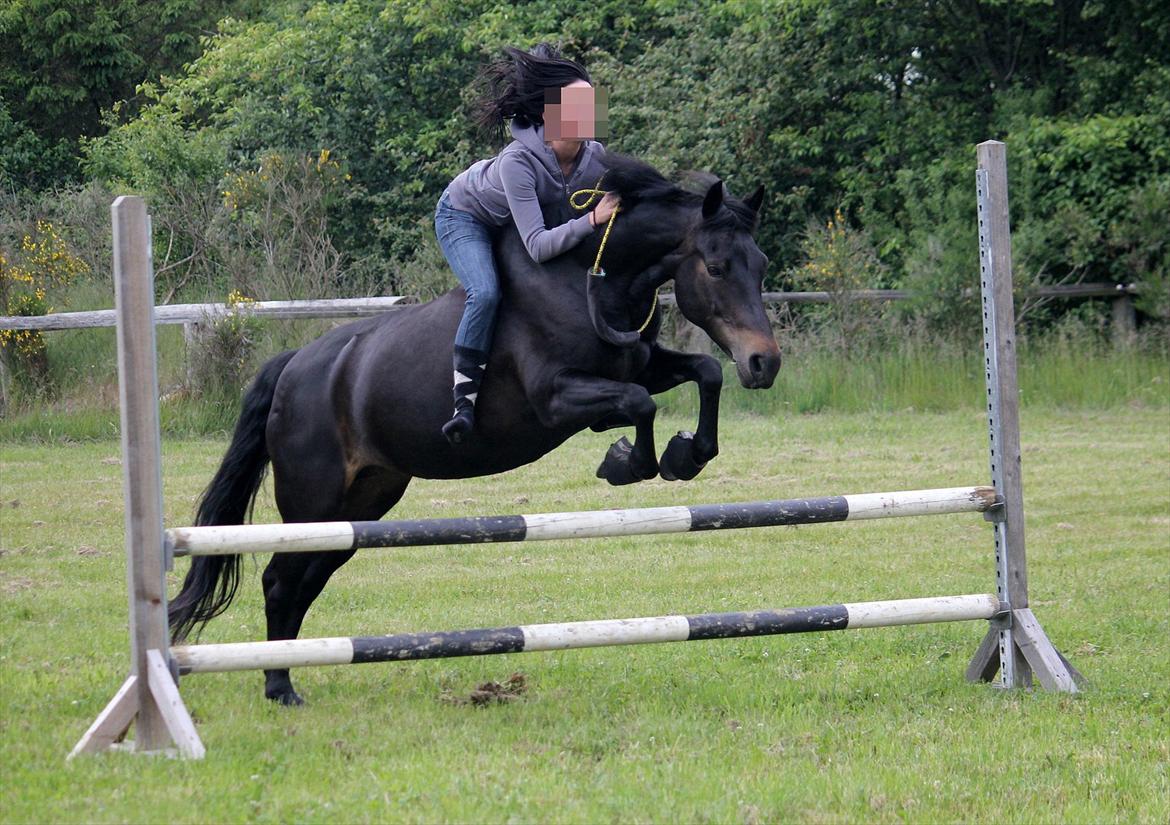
(519, 180)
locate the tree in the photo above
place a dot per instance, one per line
(62, 62)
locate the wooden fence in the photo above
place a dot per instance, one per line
(192, 315)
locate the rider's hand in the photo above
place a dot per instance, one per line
(604, 210)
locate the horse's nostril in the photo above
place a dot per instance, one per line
(756, 365)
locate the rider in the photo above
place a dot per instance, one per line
(554, 114)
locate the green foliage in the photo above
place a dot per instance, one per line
(43, 268)
(870, 107)
(1077, 181)
(220, 354)
(27, 157)
(356, 78)
(154, 153)
(64, 61)
(1139, 239)
(277, 229)
(939, 244)
(839, 260)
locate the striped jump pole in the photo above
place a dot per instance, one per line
(346, 535)
(217, 658)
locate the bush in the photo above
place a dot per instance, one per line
(275, 240)
(43, 266)
(840, 260)
(219, 354)
(1139, 238)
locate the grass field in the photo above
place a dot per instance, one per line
(870, 725)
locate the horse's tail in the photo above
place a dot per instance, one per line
(212, 581)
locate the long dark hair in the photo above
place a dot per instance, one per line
(513, 86)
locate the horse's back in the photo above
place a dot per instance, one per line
(378, 391)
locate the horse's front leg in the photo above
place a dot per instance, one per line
(578, 400)
(686, 454)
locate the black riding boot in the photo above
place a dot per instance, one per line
(469, 367)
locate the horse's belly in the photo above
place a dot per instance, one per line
(495, 447)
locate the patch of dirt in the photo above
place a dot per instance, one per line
(490, 693)
(15, 584)
(88, 550)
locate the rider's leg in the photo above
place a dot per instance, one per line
(467, 245)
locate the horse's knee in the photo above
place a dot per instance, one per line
(709, 374)
(638, 405)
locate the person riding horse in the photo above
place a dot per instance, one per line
(552, 108)
(347, 421)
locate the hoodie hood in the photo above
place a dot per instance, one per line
(532, 138)
(547, 224)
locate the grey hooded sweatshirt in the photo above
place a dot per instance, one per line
(522, 179)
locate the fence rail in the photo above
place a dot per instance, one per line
(363, 307)
(200, 313)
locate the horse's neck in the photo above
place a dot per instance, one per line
(636, 259)
(646, 250)
(627, 301)
(648, 236)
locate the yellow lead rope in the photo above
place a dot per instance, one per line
(592, 196)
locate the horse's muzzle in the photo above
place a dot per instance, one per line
(758, 369)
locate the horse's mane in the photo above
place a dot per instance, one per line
(635, 180)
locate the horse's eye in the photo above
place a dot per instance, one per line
(715, 270)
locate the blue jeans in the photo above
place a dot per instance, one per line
(467, 245)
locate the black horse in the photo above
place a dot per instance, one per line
(349, 419)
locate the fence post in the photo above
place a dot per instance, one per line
(1124, 321)
(194, 333)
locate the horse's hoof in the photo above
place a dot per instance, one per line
(678, 459)
(618, 465)
(288, 698)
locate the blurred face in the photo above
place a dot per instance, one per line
(576, 112)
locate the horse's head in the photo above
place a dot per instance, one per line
(704, 242)
(718, 280)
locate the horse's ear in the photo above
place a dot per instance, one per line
(756, 200)
(713, 200)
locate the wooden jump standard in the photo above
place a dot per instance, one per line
(1015, 645)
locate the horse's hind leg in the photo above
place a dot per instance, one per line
(293, 580)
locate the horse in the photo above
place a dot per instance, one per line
(349, 419)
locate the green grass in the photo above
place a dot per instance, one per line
(872, 725)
